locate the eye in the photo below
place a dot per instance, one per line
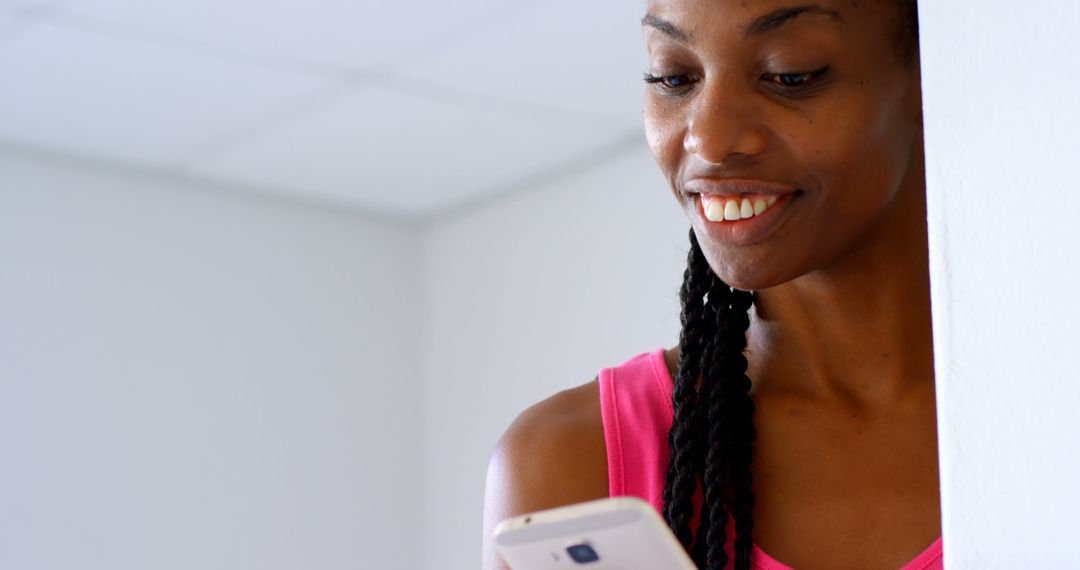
(669, 83)
(794, 81)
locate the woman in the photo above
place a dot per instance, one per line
(802, 432)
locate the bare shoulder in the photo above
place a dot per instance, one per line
(552, 455)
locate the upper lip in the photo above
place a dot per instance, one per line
(736, 186)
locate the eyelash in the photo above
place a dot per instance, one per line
(661, 82)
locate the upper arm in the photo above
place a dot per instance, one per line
(552, 455)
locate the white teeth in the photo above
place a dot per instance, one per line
(714, 211)
(717, 209)
(731, 210)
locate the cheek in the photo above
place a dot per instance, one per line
(856, 159)
(663, 134)
(857, 166)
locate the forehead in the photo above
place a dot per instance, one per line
(691, 21)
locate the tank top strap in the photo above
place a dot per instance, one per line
(635, 402)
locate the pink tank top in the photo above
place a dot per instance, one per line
(635, 401)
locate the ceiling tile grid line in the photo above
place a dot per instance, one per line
(412, 154)
(478, 104)
(538, 181)
(622, 144)
(257, 126)
(503, 105)
(50, 155)
(84, 91)
(584, 57)
(628, 91)
(301, 110)
(137, 35)
(111, 20)
(263, 125)
(91, 38)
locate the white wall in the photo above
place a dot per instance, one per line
(1002, 118)
(197, 379)
(532, 294)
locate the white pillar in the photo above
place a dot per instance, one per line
(1001, 85)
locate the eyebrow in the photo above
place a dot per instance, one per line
(777, 18)
(667, 28)
(761, 25)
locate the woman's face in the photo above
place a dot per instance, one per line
(800, 124)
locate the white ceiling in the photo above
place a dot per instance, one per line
(406, 107)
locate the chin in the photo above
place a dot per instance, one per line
(748, 273)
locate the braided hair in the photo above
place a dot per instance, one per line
(712, 433)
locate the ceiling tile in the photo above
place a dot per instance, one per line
(584, 57)
(7, 25)
(26, 6)
(403, 153)
(15, 14)
(87, 93)
(346, 35)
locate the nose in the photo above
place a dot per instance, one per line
(722, 126)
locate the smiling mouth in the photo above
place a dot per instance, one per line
(734, 208)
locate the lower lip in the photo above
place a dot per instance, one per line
(746, 231)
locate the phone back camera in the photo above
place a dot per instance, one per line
(582, 553)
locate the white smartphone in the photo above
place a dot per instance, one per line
(617, 533)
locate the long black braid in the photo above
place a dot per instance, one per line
(686, 452)
(720, 404)
(731, 342)
(710, 381)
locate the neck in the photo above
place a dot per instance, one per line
(858, 330)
